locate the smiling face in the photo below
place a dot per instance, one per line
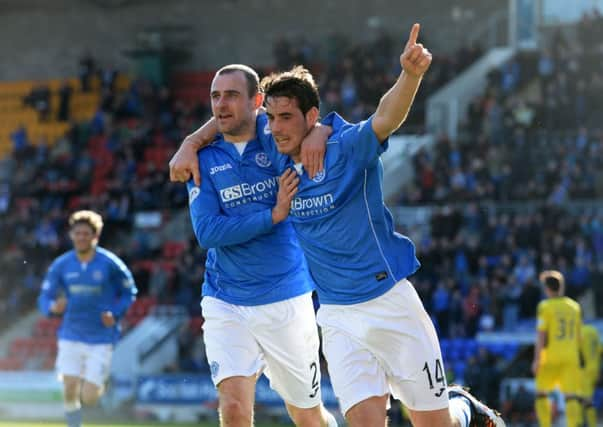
(83, 237)
(232, 106)
(288, 124)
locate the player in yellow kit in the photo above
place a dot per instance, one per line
(556, 355)
(590, 347)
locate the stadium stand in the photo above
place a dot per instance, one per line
(516, 193)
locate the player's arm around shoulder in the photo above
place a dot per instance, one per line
(395, 104)
(184, 164)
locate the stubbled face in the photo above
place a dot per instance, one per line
(231, 105)
(83, 237)
(288, 124)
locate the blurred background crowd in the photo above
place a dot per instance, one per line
(514, 193)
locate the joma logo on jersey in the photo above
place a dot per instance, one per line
(220, 168)
(246, 190)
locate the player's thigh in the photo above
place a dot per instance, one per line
(438, 417)
(371, 412)
(589, 382)
(355, 372)
(71, 388)
(547, 378)
(70, 358)
(97, 364)
(410, 351)
(230, 346)
(305, 416)
(394, 332)
(91, 392)
(571, 380)
(288, 335)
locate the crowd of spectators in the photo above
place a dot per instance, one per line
(480, 260)
(480, 265)
(530, 144)
(353, 76)
(114, 164)
(534, 134)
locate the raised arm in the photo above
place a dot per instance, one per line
(395, 104)
(185, 163)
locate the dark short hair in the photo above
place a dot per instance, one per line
(90, 218)
(552, 279)
(296, 83)
(253, 80)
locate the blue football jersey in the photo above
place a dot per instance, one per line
(250, 261)
(102, 284)
(346, 232)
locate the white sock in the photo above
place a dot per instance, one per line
(72, 406)
(460, 409)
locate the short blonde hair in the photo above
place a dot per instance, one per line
(90, 218)
(553, 280)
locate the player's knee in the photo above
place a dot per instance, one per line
(91, 393)
(368, 413)
(234, 411)
(305, 417)
(71, 391)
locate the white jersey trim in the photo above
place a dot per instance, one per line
(368, 212)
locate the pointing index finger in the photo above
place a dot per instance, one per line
(414, 34)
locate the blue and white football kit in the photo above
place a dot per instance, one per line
(102, 284)
(377, 337)
(257, 290)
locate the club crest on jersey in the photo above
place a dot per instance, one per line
(320, 176)
(193, 194)
(97, 275)
(262, 160)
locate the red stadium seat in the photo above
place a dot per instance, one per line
(11, 364)
(46, 327)
(22, 347)
(173, 249)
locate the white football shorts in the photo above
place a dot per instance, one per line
(91, 362)
(279, 339)
(385, 345)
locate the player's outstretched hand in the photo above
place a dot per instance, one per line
(108, 319)
(59, 305)
(415, 59)
(287, 188)
(184, 164)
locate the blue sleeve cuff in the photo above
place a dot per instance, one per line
(383, 146)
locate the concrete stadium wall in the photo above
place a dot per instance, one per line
(41, 38)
